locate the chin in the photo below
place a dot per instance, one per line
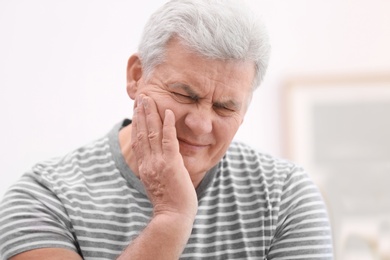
(194, 167)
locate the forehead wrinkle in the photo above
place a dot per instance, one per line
(226, 96)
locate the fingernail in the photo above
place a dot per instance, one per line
(135, 103)
(145, 102)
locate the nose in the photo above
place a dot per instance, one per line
(199, 120)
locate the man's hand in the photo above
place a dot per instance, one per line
(160, 164)
(167, 182)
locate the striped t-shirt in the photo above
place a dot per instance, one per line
(251, 206)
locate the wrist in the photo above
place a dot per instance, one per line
(165, 237)
(174, 220)
(174, 230)
(186, 214)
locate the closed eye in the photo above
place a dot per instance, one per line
(223, 110)
(182, 98)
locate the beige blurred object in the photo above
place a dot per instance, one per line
(337, 128)
(358, 247)
(383, 241)
(365, 239)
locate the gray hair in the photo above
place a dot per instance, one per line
(216, 29)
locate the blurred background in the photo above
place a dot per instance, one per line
(325, 101)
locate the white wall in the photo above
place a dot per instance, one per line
(62, 75)
(62, 67)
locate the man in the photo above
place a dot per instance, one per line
(171, 183)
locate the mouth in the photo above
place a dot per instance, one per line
(188, 145)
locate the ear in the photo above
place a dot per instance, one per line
(134, 74)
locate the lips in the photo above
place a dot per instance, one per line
(190, 144)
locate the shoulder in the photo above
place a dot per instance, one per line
(242, 157)
(51, 180)
(75, 165)
(63, 180)
(280, 179)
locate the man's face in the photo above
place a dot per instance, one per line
(208, 97)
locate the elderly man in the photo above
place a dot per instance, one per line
(170, 183)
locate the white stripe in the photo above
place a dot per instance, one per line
(102, 231)
(229, 204)
(102, 250)
(54, 207)
(34, 216)
(103, 240)
(311, 256)
(15, 240)
(39, 244)
(221, 224)
(307, 238)
(230, 232)
(319, 228)
(301, 247)
(51, 229)
(218, 253)
(234, 212)
(99, 184)
(72, 161)
(108, 222)
(98, 146)
(228, 242)
(102, 208)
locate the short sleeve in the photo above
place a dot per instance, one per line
(32, 217)
(303, 230)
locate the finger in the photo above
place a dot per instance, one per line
(154, 125)
(134, 124)
(134, 140)
(141, 134)
(170, 144)
(135, 104)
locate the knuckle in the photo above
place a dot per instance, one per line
(134, 145)
(153, 135)
(159, 164)
(140, 136)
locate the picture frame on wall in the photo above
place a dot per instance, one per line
(338, 128)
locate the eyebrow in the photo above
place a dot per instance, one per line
(230, 104)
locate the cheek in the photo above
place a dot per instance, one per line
(166, 102)
(163, 103)
(160, 109)
(227, 129)
(158, 99)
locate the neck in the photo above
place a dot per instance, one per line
(125, 146)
